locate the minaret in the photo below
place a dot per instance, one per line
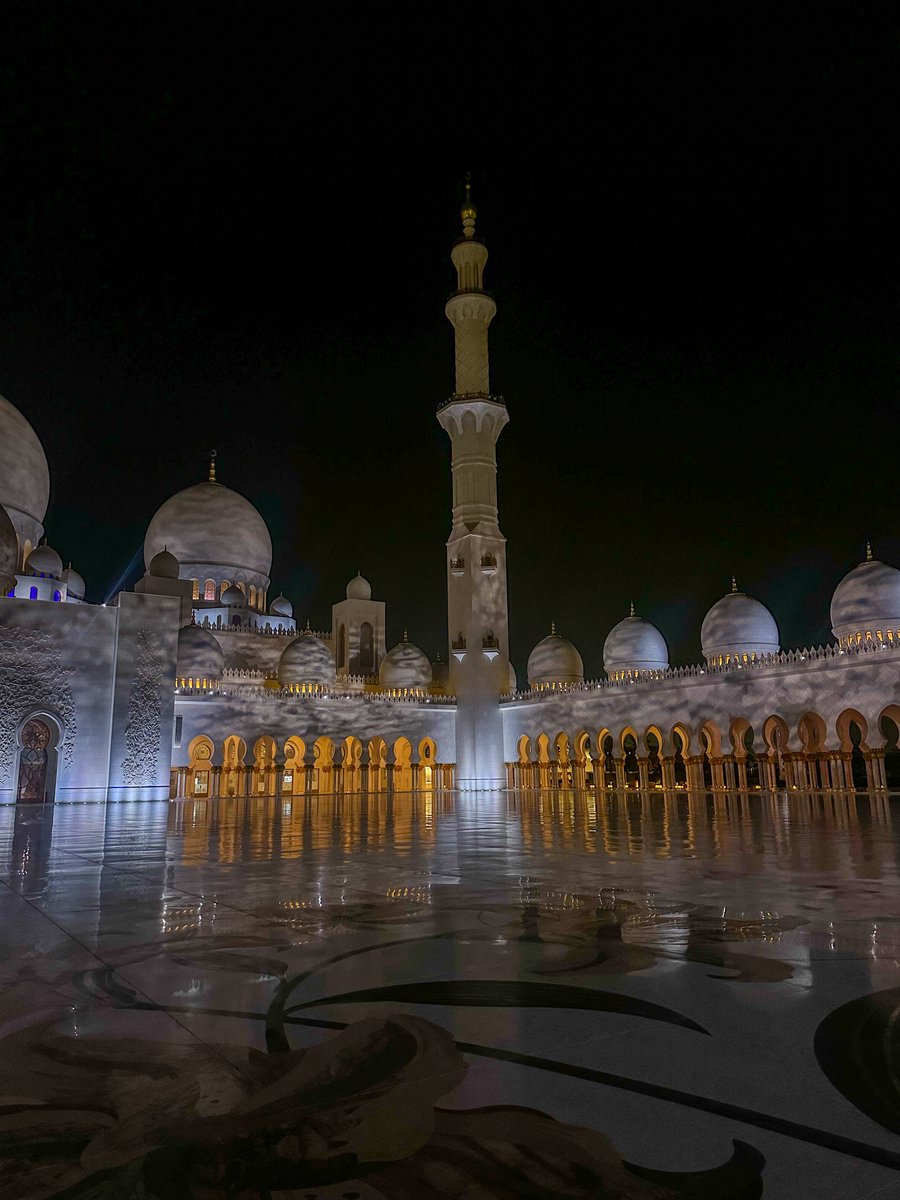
(476, 550)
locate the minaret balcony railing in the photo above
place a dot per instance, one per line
(489, 564)
(490, 646)
(457, 567)
(464, 397)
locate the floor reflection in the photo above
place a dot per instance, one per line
(711, 980)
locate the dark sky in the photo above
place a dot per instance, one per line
(229, 225)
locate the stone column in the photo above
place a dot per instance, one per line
(621, 781)
(718, 775)
(644, 774)
(741, 766)
(878, 772)
(215, 781)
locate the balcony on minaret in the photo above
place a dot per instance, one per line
(458, 647)
(468, 397)
(490, 647)
(489, 564)
(457, 567)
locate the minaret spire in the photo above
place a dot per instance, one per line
(213, 455)
(869, 555)
(477, 607)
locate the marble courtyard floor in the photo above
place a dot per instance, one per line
(493, 996)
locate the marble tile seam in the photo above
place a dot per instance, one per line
(148, 1004)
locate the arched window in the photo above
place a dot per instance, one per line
(56, 597)
(196, 586)
(209, 590)
(33, 593)
(252, 595)
(366, 649)
(241, 587)
(226, 584)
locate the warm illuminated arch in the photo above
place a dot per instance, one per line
(680, 732)
(776, 734)
(851, 716)
(201, 750)
(711, 735)
(738, 731)
(629, 731)
(543, 748)
(524, 749)
(660, 741)
(812, 733)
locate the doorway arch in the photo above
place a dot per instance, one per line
(38, 742)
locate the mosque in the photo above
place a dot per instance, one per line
(195, 683)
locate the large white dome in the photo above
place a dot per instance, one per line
(405, 666)
(866, 600)
(554, 660)
(9, 551)
(634, 645)
(209, 525)
(24, 474)
(306, 660)
(737, 625)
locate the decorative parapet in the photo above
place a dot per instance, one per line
(762, 662)
(218, 626)
(324, 694)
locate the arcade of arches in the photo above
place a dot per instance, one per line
(298, 768)
(853, 755)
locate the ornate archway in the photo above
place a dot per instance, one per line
(35, 776)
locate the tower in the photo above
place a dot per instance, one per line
(477, 607)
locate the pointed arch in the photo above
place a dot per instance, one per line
(402, 765)
(848, 737)
(234, 753)
(200, 755)
(293, 781)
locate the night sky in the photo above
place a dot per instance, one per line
(228, 225)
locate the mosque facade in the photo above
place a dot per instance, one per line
(196, 682)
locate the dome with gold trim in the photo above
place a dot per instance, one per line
(865, 606)
(212, 531)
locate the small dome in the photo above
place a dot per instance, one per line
(634, 645)
(866, 600)
(74, 583)
(43, 560)
(233, 597)
(164, 565)
(306, 660)
(738, 625)
(211, 526)
(359, 588)
(554, 660)
(24, 474)
(281, 607)
(199, 655)
(405, 666)
(9, 550)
